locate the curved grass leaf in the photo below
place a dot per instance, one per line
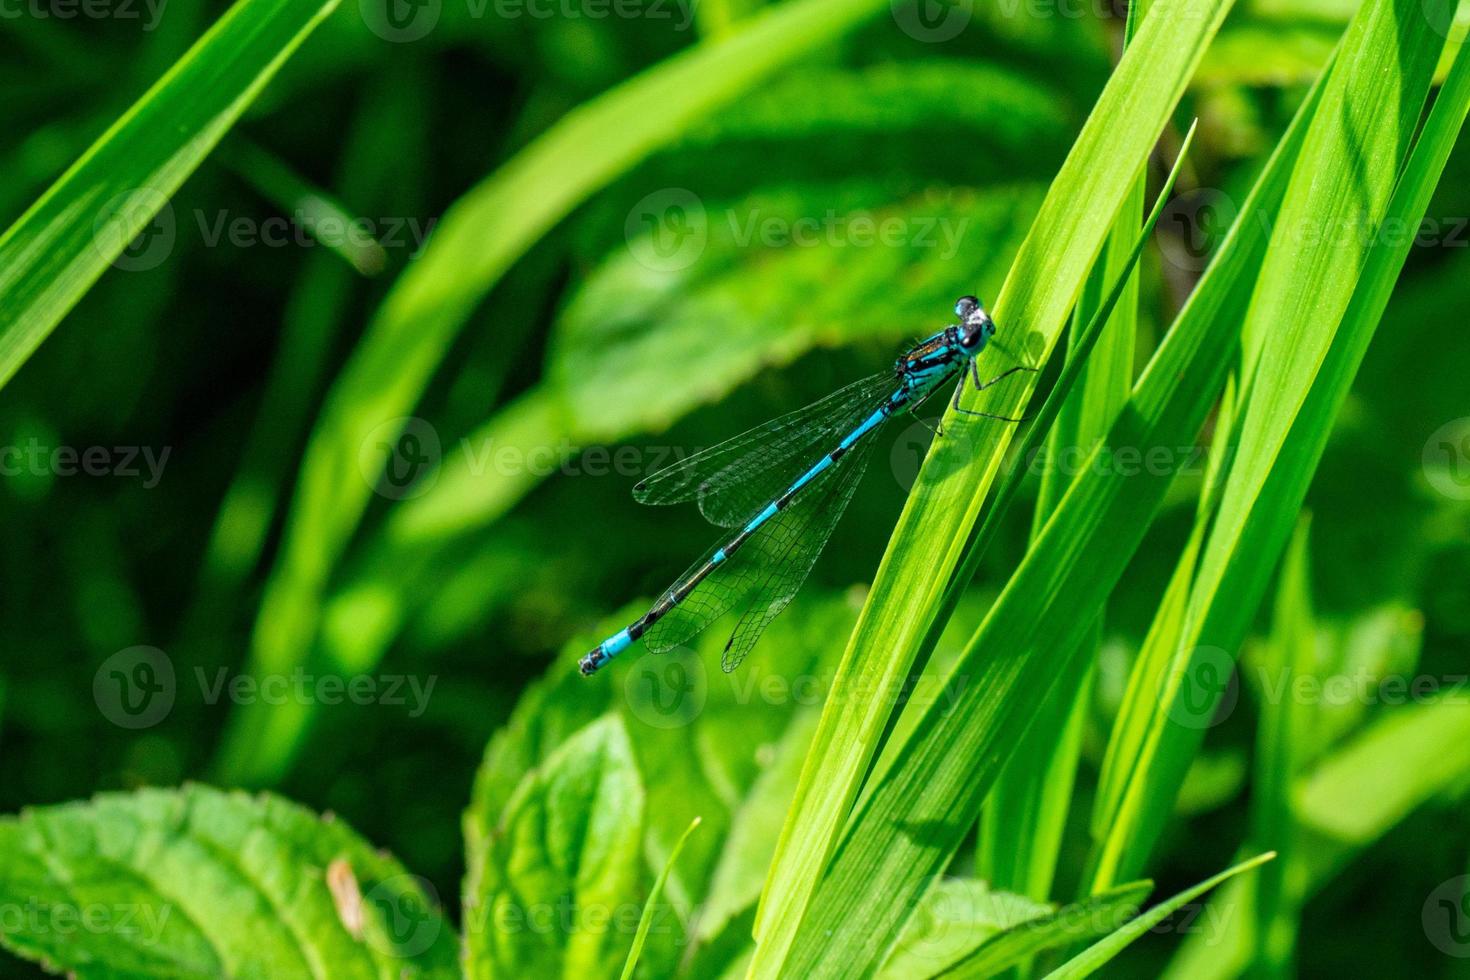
(1079, 922)
(200, 883)
(645, 921)
(66, 240)
(1092, 959)
(478, 239)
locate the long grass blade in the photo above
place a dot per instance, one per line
(54, 252)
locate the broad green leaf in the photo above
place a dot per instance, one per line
(553, 889)
(121, 186)
(1307, 350)
(792, 929)
(200, 883)
(638, 345)
(1090, 960)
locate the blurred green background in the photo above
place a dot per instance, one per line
(217, 347)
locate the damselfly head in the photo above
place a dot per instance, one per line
(976, 327)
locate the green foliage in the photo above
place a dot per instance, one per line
(199, 883)
(649, 240)
(59, 247)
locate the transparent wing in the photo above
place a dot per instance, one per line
(733, 480)
(802, 545)
(776, 557)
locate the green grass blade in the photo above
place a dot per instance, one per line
(1223, 295)
(1290, 653)
(478, 239)
(54, 252)
(942, 509)
(645, 920)
(1092, 959)
(1072, 924)
(1026, 815)
(1286, 422)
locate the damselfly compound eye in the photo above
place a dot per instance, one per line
(965, 305)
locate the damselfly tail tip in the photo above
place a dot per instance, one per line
(588, 665)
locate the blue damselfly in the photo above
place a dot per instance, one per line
(785, 485)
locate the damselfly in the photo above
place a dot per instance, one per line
(785, 485)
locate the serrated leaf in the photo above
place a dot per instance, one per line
(554, 888)
(201, 883)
